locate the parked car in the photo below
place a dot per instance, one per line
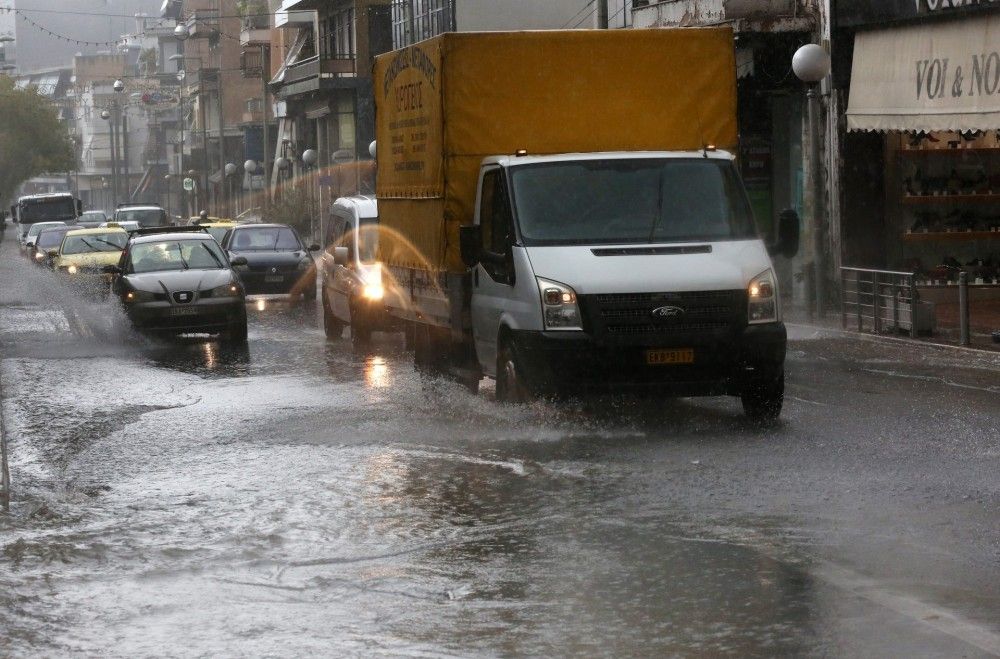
(351, 276)
(84, 253)
(47, 244)
(28, 244)
(145, 215)
(92, 219)
(277, 262)
(180, 281)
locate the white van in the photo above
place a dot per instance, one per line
(351, 276)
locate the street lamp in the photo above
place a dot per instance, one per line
(811, 64)
(112, 116)
(230, 169)
(181, 32)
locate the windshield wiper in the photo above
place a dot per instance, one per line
(180, 255)
(212, 254)
(108, 242)
(659, 207)
(90, 245)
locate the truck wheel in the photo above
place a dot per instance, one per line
(430, 354)
(331, 324)
(762, 400)
(511, 384)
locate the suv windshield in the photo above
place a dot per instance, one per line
(145, 217)
(265, 239)
(113, 241)
(195, 254)
(630, 201)
(59, 209)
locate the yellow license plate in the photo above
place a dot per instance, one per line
(669, 357)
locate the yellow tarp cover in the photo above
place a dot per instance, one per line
(446, 103)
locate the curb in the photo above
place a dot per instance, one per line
(893, 339)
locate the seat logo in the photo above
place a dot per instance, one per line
(183, 296)
(274, 271)
(667, 312)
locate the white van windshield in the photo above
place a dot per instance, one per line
(634, 201)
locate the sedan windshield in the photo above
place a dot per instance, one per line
(145, 217)
(196, 254)
(50, 238)
(37, 228)
(630, 201)
(113, 241)
(265, 239)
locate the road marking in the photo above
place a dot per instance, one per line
(935, 617)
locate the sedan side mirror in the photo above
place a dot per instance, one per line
(237, 261)
(341, 256)
(470, 239)
(787, 243)
(314, 247)
(111, 270)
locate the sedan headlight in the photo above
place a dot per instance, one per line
(138, 296)
(72, 269)
(763, 299)
(39, 256)
(226, 290)
(560, 310)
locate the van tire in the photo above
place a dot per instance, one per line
(512, 387)
(762, 400)
(331, 324)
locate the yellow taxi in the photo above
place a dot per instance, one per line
(84, 253)
(216, 227)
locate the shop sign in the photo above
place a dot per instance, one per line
(859, 13)
(939, 77)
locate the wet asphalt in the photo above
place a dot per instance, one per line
(302, 497)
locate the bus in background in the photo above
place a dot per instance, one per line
(51, 207)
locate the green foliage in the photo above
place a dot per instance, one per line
(32, 139)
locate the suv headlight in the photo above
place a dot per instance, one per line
(231, 289)
(560, 310)
(763, 299)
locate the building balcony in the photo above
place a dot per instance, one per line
(251, 63)
(255, 27)
(203, 24)
(291, 14)
(743, 15)
(319, 73)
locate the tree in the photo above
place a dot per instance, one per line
(32, 139)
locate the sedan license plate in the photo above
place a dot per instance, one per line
(273, 279)
(669, 357)
(184, 311)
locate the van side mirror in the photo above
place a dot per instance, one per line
(470, 239)
(341, 256)
(787, 240)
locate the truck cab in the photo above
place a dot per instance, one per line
(624, 270)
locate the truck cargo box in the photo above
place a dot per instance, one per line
(444, 104)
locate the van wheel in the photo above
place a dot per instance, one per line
(361, 331)
(331, 324)
(511, 384)
(762, 400)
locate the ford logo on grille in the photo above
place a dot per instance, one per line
(667, 312)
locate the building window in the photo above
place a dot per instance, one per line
(339, 40)
(416, 20)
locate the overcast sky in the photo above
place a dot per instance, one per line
(35, 49)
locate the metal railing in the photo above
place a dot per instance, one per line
(879, 300)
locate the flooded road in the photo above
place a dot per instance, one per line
(301, 497)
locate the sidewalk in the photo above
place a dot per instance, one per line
(945, 336)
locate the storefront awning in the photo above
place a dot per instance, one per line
(927, 77)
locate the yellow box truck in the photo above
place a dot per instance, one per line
(561, 211)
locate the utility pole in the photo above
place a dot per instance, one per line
(602, 14)
(265, 51)
(128, 180)
(222, 208)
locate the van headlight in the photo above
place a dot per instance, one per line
(763, 299)
(560, 310)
